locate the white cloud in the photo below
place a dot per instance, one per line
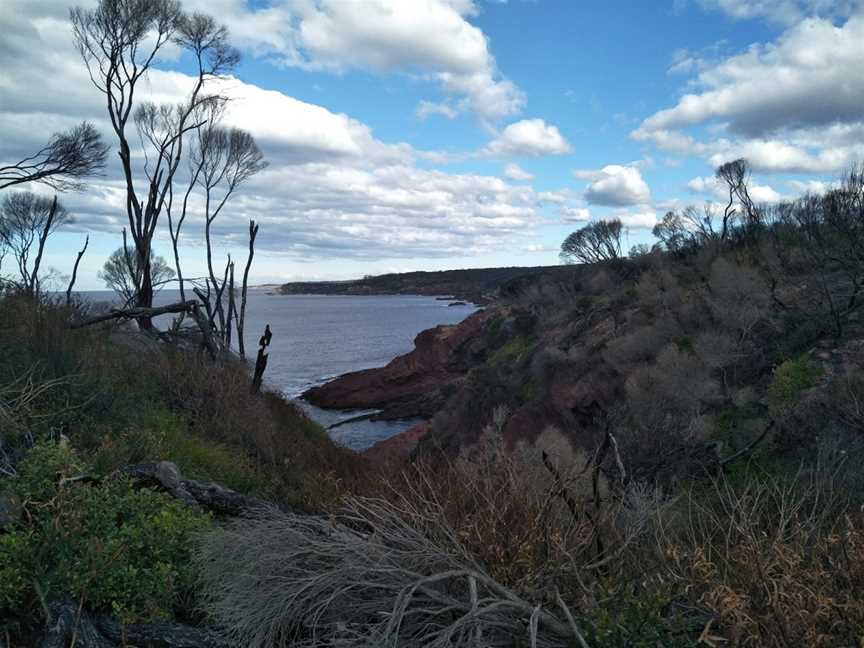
(570, 214)
(427, 108)
(810, 186)
(332, 189)
(515, 172)
(615, 186)
(708, 184)
(430, 37)
(553, 197)
(528, 137)
(783, 105)
(540, 247)
(783, 11)
(638, 220)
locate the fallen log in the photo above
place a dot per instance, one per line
(136, 312)
(190, 307)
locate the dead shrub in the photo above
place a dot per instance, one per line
(780, 561)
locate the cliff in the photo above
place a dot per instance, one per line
(411, 385)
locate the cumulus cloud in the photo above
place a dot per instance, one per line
(515, 172)
(783, 105)
(553, 197)
(427, 108)
(638, 219)
(429, 37)
(528, 138)
(615, 186)
(332, 188)
(783, 11)
(570, 214)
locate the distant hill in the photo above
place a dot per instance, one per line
(476, 285)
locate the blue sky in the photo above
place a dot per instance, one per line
(430, 134)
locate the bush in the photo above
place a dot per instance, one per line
(108, 545)
(777, 559)
(789, 380)
(162, 435)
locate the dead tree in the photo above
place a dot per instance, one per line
(119, 41)
(75, 271)
(62, 162)
(190, 307)
(227, 159)
(209, 113)
(26, 222)
(241, 321)
(261, 360)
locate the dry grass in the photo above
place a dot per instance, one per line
(780, 561)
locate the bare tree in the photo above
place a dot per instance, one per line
(62, 162)
(75, 271)
(226, 158)
(119, 41)
(209, 112)
(26, 222)
(832, 227)
(594, 243)
(121, 273)
(241, 321)
(678, 231)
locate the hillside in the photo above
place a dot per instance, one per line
(472, 285)
(662, 449)
(714, 384)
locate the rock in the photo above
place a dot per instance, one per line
(159, 635)
(168, 474)
(411, 385)
(10, 508)
(218, 498)
(65, 621)
(104, 632)
(397, 448)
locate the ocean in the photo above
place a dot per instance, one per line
(318, 337)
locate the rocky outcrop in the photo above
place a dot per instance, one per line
(399, 447)
(412, 385)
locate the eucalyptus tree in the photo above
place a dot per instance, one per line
(62, 163)
(595, 243)
(26, 222)
(119, 40)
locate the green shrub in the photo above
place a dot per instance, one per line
(638, 620)
(160, 435)
(119, 549)
(791, 378)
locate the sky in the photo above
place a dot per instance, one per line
(434, 134)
